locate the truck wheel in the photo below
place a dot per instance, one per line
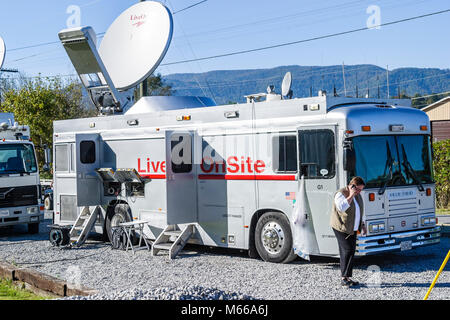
(273, 238)
(48, 203)
(120, 214)
(33, 228)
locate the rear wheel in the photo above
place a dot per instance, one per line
(120, 214)
(273, 238)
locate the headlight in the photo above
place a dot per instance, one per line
(32, 210)
(376, 227)
(428, 220)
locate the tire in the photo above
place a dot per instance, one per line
(273, 238)
(59, 237)
(121, 213)
(33, 228)
(48, 203)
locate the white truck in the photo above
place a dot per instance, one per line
(20, 190)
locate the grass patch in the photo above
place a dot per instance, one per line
(443, 211)
(10, 291)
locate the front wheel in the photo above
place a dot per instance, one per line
(273, 238)
(33, 228)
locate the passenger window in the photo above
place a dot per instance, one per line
(317, 154)
(61, 158)
(285, 153)
(87, 152)
(181, 146)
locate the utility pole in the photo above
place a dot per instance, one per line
(378, 83)
(387, 79)
(143, 87)
(343, 76)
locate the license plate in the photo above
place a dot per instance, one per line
(4, 213)
(34, 219)
(405, 245)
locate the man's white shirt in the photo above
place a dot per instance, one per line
(342, 205)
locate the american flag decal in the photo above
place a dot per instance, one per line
(290, 195)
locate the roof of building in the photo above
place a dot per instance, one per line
(436, 104)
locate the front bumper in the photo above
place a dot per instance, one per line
(19, 215)
(398, 241)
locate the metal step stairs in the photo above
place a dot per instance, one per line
(173, 240)
(83, 226)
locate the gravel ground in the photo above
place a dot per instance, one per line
(204, 273)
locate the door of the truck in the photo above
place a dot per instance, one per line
(318, 164)
(87, 160)
(181, 159)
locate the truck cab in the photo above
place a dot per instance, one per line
(20, 191)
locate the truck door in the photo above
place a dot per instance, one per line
(317, 163)
(181, 160)
(87, 155)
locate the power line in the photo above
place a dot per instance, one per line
(306, 40)
(189, 7)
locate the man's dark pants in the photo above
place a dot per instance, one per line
(347, 247)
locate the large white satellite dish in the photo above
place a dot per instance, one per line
(2, 52)
(136, 42)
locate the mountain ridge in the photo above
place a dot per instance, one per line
(227, 86)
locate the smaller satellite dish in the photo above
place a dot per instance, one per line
(286, 86)
(2, 52)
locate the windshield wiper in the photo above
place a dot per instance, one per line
(389, 165)
(410, 171)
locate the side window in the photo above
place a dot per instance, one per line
(181, 146)
(284, 153)
(317, 154)
(61, 158)
(87, 152)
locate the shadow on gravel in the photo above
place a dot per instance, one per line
(20, 233)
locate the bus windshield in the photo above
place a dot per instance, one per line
(384, 161)
(17, 158)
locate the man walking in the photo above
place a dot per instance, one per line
(346, 221)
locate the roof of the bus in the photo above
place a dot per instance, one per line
(312, 108)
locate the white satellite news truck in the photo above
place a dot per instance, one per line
(245, 164)
(20, 190)
(228, 176)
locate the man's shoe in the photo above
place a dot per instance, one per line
(353, 283)
(345, 283)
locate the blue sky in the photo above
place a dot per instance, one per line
(221, 26)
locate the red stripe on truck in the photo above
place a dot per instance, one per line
(228, 177)
(246, 177)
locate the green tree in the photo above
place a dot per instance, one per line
(441, 164)
(37, 102)
(156, 86)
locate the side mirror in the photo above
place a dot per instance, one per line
(349, 158)
(48, 160)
